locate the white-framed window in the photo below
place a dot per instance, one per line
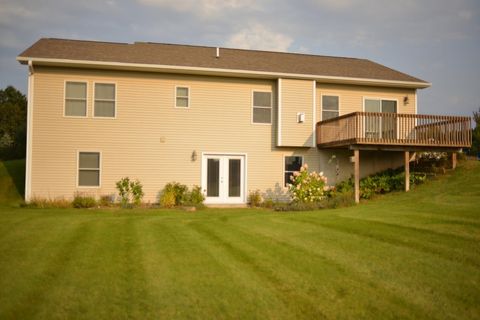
(330, 106)
(262, 107)
(104, 100)
(88, 169)
(182, 97)
(291, 164)
(75, 99)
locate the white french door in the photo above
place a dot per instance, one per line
(223, 178)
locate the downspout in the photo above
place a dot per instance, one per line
(28, 160)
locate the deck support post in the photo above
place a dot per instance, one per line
(407, 171)
(356, 164)
(454, 160)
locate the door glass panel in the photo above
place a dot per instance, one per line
(234, 177)
(372, 123)
(213, 177)
(389, 124)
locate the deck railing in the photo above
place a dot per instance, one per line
(381, 128)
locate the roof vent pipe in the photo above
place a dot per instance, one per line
(218, 53)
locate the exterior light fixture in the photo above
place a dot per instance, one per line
(405, 100)
(194, 156)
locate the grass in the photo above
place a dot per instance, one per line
(409, 255)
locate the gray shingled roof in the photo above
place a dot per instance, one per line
(205, 57)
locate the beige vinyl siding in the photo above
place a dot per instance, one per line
(297, 96)
(153, 141)
(351, 97)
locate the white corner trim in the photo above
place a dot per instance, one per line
(416, 106)
(28, 156)
(279, 110)
(314, 113)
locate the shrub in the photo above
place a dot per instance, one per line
(106, 200)
(180, 191)
(44, 203)
(195, 197)
(129, 191)
(307, 187)
(83, 201)
(255, 199)
(167, 199)
(176, 194)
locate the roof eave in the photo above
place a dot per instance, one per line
(218, 72)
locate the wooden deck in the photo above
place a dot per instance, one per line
(395, 131)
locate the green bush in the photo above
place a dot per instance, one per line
(255, 198)
(106, 200)
(176, 194)
(130, 191)
(195, 197)
(83, 201)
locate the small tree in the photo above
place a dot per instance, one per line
(129, 191)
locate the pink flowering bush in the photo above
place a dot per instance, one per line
(307, 187)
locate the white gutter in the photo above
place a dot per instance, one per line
(28, 160)
(221, 72)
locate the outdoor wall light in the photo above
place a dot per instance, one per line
(194, 155)
(405, 100)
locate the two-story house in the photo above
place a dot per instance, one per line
(228, 120)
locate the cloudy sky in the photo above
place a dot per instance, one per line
(435, 40)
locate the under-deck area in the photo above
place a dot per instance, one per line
(394, 132)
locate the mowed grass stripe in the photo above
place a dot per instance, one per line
(204, 278)
(318, 277)
(413, 275)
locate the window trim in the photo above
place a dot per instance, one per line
(365, 98)
(65, 99)
(253, 107)
(115, 101)
(285, 171)
(99, 169)
(321, 103)
(188, 97)
(379, 99)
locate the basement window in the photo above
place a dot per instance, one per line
(292, 164)
(89, 169)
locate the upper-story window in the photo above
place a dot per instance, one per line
(75, 99)
(182, 97)
(104, 105)
(262, 107)
(330, 107)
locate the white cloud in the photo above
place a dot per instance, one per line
(259, 37)
(203, 7)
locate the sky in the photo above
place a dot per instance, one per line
(434, 40)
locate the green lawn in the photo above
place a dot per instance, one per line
(406, 255)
